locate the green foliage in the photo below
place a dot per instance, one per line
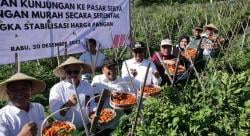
(139, 3)
(218, 110)
(154, 23)
(222, 107)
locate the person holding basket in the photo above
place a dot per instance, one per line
(64, 95)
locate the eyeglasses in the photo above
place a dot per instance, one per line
(138, 51)
(76, 72)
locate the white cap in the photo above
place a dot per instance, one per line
(166, 42)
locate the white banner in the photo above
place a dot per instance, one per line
(34, 28)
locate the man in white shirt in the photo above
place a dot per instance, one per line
(110, 81)
(137, 67)
(93, 57)
(63, 94)
(211, 42)
(21, 117)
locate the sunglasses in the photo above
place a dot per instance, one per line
(138, 51)
(76, 72)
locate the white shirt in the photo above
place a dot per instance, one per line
(141, 69)
(100, 82)
(206, 52)
(85, 57)
(60, 94)
(12, 119)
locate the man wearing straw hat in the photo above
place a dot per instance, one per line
(212, 43)
(21, 117)
(92, 57)
(65, 93)
(166, 48)
(135, 69)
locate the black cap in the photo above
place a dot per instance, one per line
(138, 45)
(108, 62)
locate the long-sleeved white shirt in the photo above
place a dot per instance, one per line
(85, 57)
(141, 69)
(100, 82)
(12, 119)
(60, 94)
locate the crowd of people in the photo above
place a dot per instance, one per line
(23, 118)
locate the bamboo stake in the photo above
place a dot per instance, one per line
(58, 56)
(96, 59)
(164, 66)
(140, 101)
(17, 63)
(147, 44)
(176, 68)
(196, 73)
(98, 111)
(90, 55)
(244, 36)
(130, 78)
(80, 105)
(65, 52)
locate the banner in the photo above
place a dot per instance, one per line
(36, 28)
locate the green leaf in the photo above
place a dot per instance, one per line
(175, 121)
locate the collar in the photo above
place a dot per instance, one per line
(104, 79)
(196, 37)
(134, 62)
(67, 83)
(16, 109)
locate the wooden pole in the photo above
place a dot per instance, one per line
(94, 122)
(90, 55)
(176, 68)
(17, 63)
(80, 105)
(164, 66)
(58, 56)
(65, 52)
(140, 101)
(130, 78)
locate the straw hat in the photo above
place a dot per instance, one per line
(211, 26)
(59, 70)
(166, 42)
(37, 85)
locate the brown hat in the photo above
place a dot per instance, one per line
(37, 85)
(59, 70)
(198, 28)
(211, 26)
